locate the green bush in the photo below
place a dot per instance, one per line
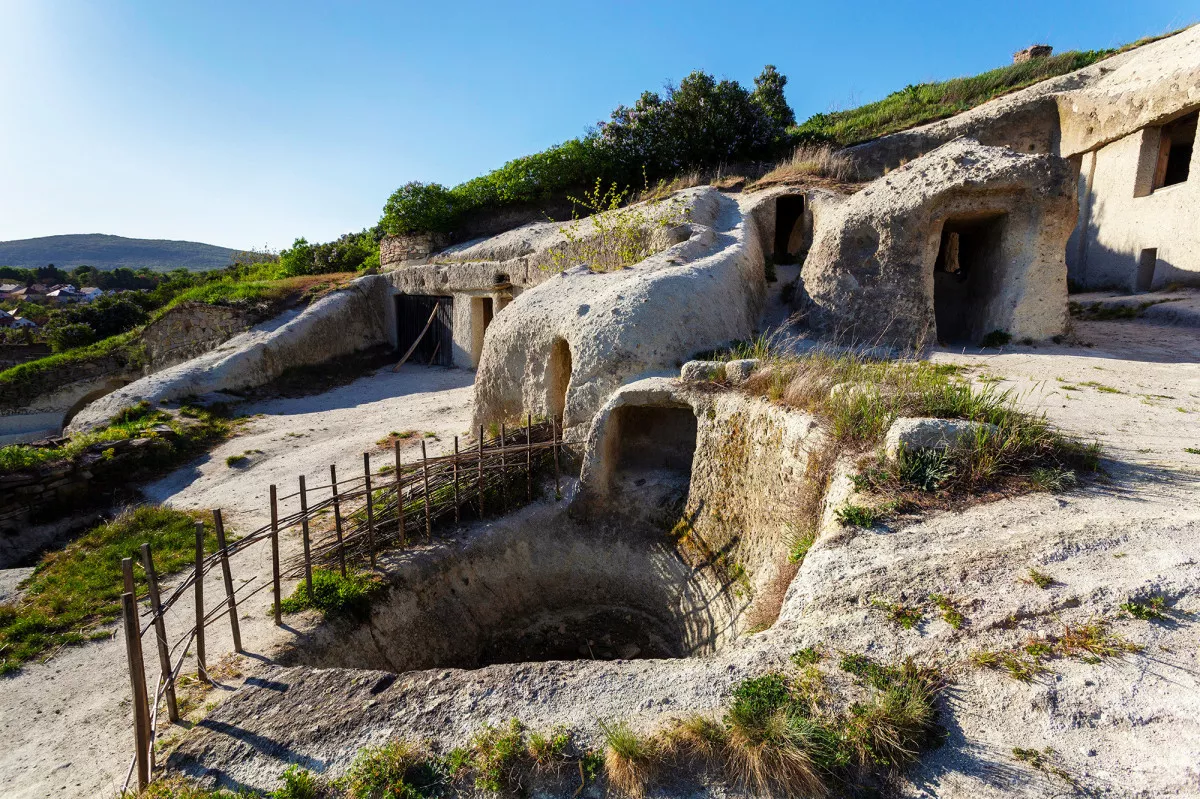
(332, 593)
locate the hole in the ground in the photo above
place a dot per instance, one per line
(966, 277)
(535, 586)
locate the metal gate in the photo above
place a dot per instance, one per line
(412, 313)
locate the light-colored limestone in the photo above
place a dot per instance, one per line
(931, 434)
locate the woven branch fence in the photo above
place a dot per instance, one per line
(345, 522)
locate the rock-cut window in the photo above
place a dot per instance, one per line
(1175, 147)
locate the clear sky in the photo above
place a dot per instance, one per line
(243, 123)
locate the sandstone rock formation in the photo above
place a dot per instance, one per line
(870, 275)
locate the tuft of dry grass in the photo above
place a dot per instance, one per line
(630, 759)
(811, 161)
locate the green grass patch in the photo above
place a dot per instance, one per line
(27, 380)
(1040, 579)
(949, 610)
(904, 616)
(78, 588)
(927, 102)
(332, 593)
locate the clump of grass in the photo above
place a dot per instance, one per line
(925, 469)
(1019, 665)
(332, 593)
(1040, 579)
(236, 461)
(1090, 642)
(496, 753)
(904, 616)
(630, 759)
(1192, 450)
(800, 544)
(298, 783)
(949, 610)
(1152, 609)
(806, 656)
(995, 339)
(79, 587)
(695, 736)
(548, 749)
(1044, 761)
(852, 515)
(811, 161)
(397, 769)
(1052, 479)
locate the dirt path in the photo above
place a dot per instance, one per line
(65, 725)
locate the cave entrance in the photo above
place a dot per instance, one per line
(558, 378)
(789, 213)
(650, 450)
(482, 311)
(433, 346)
(966, 277)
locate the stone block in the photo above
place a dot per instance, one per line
(931, 434)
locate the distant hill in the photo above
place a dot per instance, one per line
(109, 252)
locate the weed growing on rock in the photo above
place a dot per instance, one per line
(495, 755)
(852, 515)
(949, 610)
(1040, 579)
(629, 758)
(904, 616)
(298, 783)
(806, 656)
(1044, 761)
(548, 750)
(396, 770)
(1152, 609)
(332, 593)
(1089, 643)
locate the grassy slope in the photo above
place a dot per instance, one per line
(78, 588)
(928, 102)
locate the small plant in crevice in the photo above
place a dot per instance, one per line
(1090, 642)
(332, 593)
(904, 616)
(1046, 761)
(924, 469)
(298, 783)
(496, 755)
(852, 515)
(1040, 579)
(806, 656)
(949, 610)
(1151, 609)
(994, 339)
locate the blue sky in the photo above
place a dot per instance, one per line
(249, 123)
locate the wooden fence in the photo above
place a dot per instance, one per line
(345, 522)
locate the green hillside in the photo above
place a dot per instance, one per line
(108, 252)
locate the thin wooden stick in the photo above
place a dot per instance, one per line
(400, 494)
(425, 478)
(160, 634)
(503, 469)
(424, 330)
(528, 458)
(228, 577)
(480, 471)
(337, 518)
(275, 556)
(137, 681)
(201, 667)
(370, 509)
(456, 509)
(304, 534)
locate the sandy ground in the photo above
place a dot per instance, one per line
(65, 726)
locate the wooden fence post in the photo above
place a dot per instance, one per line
(370, 508)
(275, 555)
(529, 458)
(554, 447)
(456, 511)
(337, 517)
(425, 478)
(198, 589)
(481, 471)
(137, 681)
(127, 576)
(160, 635)
(400, 495)
(228, 576)
(304, 535)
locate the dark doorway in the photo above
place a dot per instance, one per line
(558, 378)
(656, 439)
(1175, 151)
(788, 213)
(436, 346)
(1145, 273)
(966, 277)
(482, 311)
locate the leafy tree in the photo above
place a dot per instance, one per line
(768, 94)
(418, 207)
(77, 325)
(347, 253)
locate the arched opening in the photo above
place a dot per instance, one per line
(558, 378)
(789, 215)
(966, 277)
(90, 397)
